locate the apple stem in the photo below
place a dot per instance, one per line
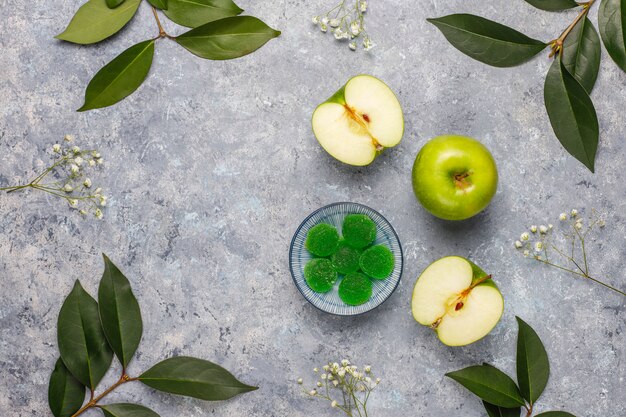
(480, 281)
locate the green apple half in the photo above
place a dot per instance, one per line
(458, 300)
(454, 177)
(359, 121)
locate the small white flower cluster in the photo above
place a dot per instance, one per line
(76, 185)
(347, 378)
(346, 23)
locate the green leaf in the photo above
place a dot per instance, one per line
(572, 114)
(119, 78)
(194, 378)
(495, 411)
(227, 38)
(612, 23)
(486, 41)
(490, 384)
(119, 313)
(94, 21)
(555, 414)
(581, 53)
(127, 410)
(65, 393)
(83, 346)
(194, 13)
(553, 5)
(159, 4)
(533, 367)
(112, 4)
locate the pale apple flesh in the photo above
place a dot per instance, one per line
(359, 121)
(458, 300)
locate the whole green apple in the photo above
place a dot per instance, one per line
(454, 177)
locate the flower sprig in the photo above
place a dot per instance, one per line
(565, 250)
(67, 178)
(344, 386)
(346, 21)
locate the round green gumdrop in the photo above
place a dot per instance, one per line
(322, 240)
(377, 262)
(320, 274)
(346, 259)
(355, 289)
(358, 230)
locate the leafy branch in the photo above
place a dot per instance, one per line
(90, 333)
(501, 396)
(217, 33)
(572, 75)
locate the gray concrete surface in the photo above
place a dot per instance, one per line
(212, 165)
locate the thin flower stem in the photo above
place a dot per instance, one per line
(582, 275)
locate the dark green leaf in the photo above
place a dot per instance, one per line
(227, 38)
(553, 5)
(612, 23)
(83, 346)
(486, 41)
(533, 367)
(94, 21)
(194, 378)
(119, 312)
(194, 13)
(581, 53)
(495, 411)
(572, 114)
(127, 410)
(490, 384)
(159, 4)
(65, 393)
(112, 4)
(120, 77)
(555, 414)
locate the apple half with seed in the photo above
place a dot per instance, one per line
(359, 121)
(458, 300)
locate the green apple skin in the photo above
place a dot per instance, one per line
(454, 177)
(339, 97)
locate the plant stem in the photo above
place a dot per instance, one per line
(557, 44)
(529, 410)
(93, 402)
(582, 275)
(162, 32)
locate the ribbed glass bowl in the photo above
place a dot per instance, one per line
(330, 302)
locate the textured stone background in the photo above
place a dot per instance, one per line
(212, 165)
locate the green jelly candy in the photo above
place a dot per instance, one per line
(320, 275)
(377, 262)
(346, 259)
(358, 230)
(355, 289)
(322, 240)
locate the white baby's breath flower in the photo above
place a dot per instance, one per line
(352, 46)
(313, 392)
(333, 404)
(367, 43)
(75, 149)
(315, 20)
(326, 368)
(601, 223)
(578, 225)
(87, 182)
(543, 229)
(325, 20)
(68, 138)
(562, 217)
(526, 253)
(323, 27)
(355, 28)
(82, 212)
(92, 163)
(68, 188)
(368, 369)
(98, 214)
(574, 213)
(524, 237)
(73, 202)
(377, 380)
(334, 23)
(78, 160)
(345, 362)
(550, 226)
(316, 370)
(100, 161)
(74, 169)
(518, 244)
(341, 372)
(538, 246)
(103, 200)
(335, 382)
(323, 376)
(56, 148)
(98, 191)
(533, 228)
(319, 384)
(299, 381)
(363, 6)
